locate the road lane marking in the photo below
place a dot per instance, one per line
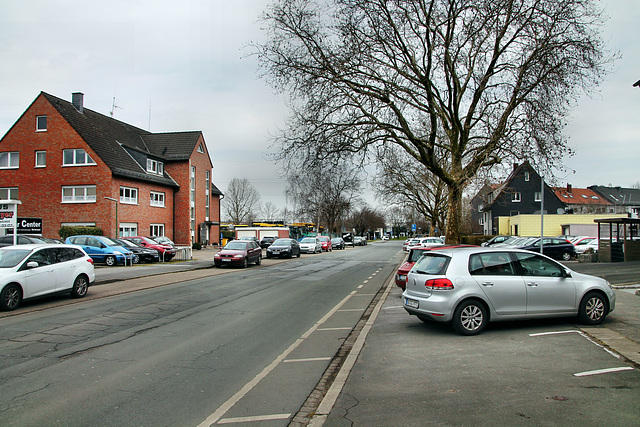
(254, 419)
(335, 329)
(308, 359)
(226, 406)
(603, 371)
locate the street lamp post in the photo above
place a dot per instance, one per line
(116, 202)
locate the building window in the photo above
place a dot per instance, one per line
(526, 176)
(154, 166)
(41, 159)
(79, 194)
(207, 195)
(192, 185)
(128, 229)
(201, 149)
(41, 123)
(76, 157)
(129, 195)
(156, 230)
(537, 196)
(9, 160)
(9, 193)
(516, 197)
(157, 199)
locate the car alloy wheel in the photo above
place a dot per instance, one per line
(110, 260)
(593, 309)
(80, 286)
(470, 318)
(10, 297)
(566, 256)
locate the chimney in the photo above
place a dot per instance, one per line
(569, 188)
(77, 99)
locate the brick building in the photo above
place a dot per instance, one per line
(73, 166)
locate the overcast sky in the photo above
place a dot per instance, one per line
(184, 65)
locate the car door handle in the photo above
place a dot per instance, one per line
(487, 284)
(532, 284)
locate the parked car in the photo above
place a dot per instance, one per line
(471, 286)
(552, 247)
(385, 237)
(239, 253)
(102, 249)
(426, 242)
(593, 244)
(494, 240)
(35, 270)
(285, 248)
(414, 255)
(166, 252)
(22, 239)
(164, 240)
(325, 243)
(250, 238)
(406, 244)
(310, 245)
(359, 241)
(140, 253)
(266, 241)
(338, 243)
(582, 241)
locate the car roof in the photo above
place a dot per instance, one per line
(34, 246)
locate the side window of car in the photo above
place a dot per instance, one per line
(491, 264)
(536, 265)
(41, 257)
(78, 240)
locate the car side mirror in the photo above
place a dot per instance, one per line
(32, 264)
(566, 273)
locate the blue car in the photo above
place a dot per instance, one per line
(102, 249)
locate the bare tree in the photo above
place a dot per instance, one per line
(270, 212)
(483, 81)
(366, 220)
(324, 193)
(241, 200)
(403, 181)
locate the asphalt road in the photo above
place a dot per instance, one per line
(237, 347)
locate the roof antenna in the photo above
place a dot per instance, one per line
(114, 106)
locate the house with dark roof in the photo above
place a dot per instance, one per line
(625, 200)
(519, 194)
(583, 201)
(70, 165)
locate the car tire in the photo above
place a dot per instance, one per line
(268, 256)
(470, 318)
(80, 286)
(298, 254)
(10, 297)
(566, 256)
(110, 260)
(593, 309)
(245, 263)
(136, 259)
(259, 261)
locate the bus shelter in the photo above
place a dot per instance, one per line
(618, 239)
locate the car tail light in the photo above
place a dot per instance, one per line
(439, 284)
(90, 260)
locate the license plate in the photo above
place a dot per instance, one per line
(226, 259)
(411, 303)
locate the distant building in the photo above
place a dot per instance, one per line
(73, 166)
(583, 201)
(625, 200)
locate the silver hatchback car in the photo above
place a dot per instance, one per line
(471, 286)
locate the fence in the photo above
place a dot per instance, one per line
(183, 253)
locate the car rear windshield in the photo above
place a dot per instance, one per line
(432, 264)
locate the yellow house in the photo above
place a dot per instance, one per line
(554, 225)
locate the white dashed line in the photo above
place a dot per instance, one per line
(254, 419)
(603, 371)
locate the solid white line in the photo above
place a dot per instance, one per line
(253, 419)
(335, 329)
(350, 309)
(309, 359)
(226, 406)
(553, 333)
(603, 371)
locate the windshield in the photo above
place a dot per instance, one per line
(236, 246)
(12, 257)
(308, 240)
(127, 243)
(323, 238)
(281, 242)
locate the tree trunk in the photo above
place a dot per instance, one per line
(454, 215)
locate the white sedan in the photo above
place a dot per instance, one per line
(310, 245)
(36, 270)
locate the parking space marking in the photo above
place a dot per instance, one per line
(555, 333)
(603, 371)
(308, 359)
(335, 329)
(254, 419)
(351, 309)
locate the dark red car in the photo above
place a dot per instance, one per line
(166, 252)
(239, 253)
(414, 254)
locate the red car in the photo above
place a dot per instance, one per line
(166, 252)
(239, 253)
(325, 241)
(414, 254)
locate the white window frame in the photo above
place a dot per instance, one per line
(157, 199)
(41, 155)
(80, 158)
(80, 194)
(127, 229)
(537, 196)
(13, 159)
(516, 197)
(9, 191)
(128, 195)
(154, 166)
(38, 127)
(78, 224)
(156, 229)
(526, 176)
